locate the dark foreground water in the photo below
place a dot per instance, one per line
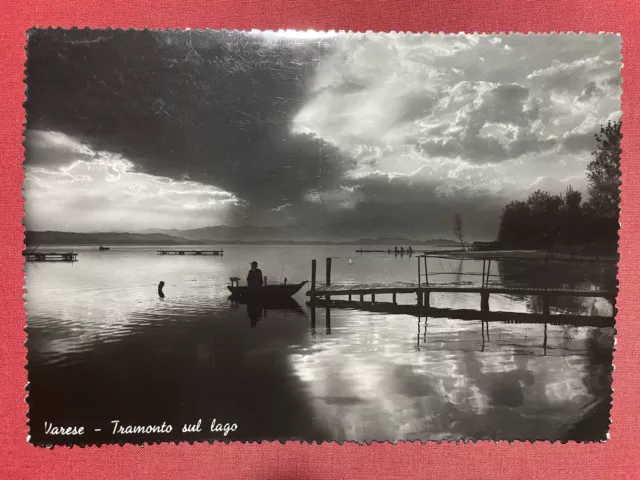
(103, 347)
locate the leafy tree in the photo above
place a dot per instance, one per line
(572, 199)
(545, 220)
(515, 225)
(603, 172)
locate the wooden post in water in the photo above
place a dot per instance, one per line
(313, 281)
(328, 320)
(484, 260)
(426, 272)
(394, 299)
(373, 298)
(328, 275)
(427, 301)
(484, 301)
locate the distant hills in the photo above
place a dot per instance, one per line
(291, 234)
(103, 238)
(215, 235)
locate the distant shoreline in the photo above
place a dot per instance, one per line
(230, 242)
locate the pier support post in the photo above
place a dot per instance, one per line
(419, 295)
(373, 298)
(328, 320)
(328, 276)
(362, 298)
(349, 297)
(313, 281)
(427, 300)
(484, 301)
(395, 301)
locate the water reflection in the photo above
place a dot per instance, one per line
(105, 347)
(258, 308)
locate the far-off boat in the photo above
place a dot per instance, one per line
(102, 249)
(282, 290)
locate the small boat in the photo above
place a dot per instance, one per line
(102, 249)
(267, 291)
(268, 303)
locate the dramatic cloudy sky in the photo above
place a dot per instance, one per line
(349, 135)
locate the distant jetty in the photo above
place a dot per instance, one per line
(50, 256)
(191, 252)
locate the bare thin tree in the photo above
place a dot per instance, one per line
(458, 230)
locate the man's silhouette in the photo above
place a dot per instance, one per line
(254, 278)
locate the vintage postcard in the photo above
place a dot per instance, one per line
(320, 236)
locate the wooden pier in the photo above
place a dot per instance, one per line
(190, 252)
(423, 290)
(50, 256)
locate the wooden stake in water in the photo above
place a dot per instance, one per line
(313, 281)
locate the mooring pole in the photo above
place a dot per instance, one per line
(328, 320)
(313, 281)
(419, 292)
(426, 270)
(328, 272)
(484, 261)
(484, 301)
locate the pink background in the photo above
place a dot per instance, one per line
(618, 458)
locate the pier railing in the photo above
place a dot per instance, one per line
(425, 286)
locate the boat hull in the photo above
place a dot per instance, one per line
(268, 291)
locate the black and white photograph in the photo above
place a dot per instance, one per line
(320, 236)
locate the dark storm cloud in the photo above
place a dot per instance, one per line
(379, 205)
(342, 136)
(213, 107)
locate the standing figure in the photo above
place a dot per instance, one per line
(254, 278)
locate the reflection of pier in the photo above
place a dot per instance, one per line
(470, 314)
(423, 290)
(50, 256)
(190, 252)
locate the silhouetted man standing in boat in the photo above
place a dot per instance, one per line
(254, 278)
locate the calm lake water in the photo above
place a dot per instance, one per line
(102, 346)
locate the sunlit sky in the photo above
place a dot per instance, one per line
(353, 134)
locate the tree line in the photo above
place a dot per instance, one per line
(545, 221)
